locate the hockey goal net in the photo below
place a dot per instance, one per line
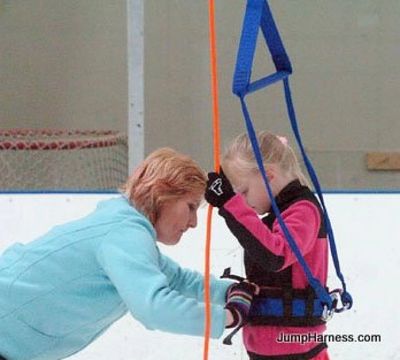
(32, 159)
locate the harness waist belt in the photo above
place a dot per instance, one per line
(286, 307)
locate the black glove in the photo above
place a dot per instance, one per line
(239, 298)
(219, 189)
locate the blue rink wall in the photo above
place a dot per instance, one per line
(367, 230)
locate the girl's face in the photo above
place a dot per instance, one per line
(175, 217)
(251, 186)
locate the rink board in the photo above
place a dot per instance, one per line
(367, 233)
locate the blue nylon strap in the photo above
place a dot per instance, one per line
(247, 47)
(316, 285)
(275, 307)
(314, 179)
(273, 40)
(258, 15)
(266, 81)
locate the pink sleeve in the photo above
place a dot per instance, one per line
(302, 220)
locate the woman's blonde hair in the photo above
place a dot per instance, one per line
(164, 175)
(274, 150)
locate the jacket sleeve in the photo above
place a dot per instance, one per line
(132, 262)
(191, 283)
(270, 248)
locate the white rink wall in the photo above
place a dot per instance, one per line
(367, 233)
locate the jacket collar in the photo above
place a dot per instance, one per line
(289, 193)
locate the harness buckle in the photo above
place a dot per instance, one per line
(347, 301)
(227, 275)
(328, 312)
(335, 295)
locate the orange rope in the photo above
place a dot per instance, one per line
(216, 137)
(214, 85)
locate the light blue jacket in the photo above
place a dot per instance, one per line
(61, 291)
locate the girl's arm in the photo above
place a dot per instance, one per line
(270, 247)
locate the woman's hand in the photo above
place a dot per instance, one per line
(239, 297)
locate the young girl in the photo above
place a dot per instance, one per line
(268, 258)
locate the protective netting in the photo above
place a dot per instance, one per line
(42, 159)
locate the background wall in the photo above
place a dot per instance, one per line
(366, 229)
(63, 64)
(345, 81)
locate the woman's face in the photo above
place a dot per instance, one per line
(175, 217)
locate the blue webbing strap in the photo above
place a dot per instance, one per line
(316, 285)
(247, 47)
(315, 181)
(259, 15)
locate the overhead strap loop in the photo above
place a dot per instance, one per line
(258, 14)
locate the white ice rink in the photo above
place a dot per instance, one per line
(367, 233)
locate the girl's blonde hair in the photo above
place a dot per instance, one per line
(163, 176)
(274, 149)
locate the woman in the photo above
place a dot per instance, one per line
(61, 291)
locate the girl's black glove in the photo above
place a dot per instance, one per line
(219, 189)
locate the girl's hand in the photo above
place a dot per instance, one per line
(219, 189)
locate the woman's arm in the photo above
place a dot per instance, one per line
(132, 262)
(191, 283)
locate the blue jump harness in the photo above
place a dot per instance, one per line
(316, 304)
